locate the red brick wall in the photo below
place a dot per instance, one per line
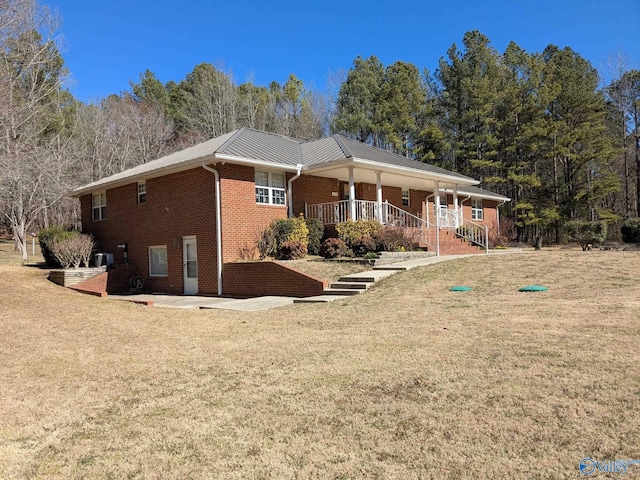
(182, 204)
(243, 220)
(312, 190)
(256, 279)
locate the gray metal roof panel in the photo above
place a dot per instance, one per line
(322, 151)
(264, 146)
(481, 192)
(366, 152)
(176, 159)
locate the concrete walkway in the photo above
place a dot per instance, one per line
(347, 285)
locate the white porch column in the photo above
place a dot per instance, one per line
(379, 196)
(455, 206)
(437, 213)
(352, 195)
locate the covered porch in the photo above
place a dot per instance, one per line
(429, 187)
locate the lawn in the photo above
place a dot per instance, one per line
(406, 381)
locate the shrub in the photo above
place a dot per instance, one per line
(73, 250)
(350, 230)
(267, 244)
(280, 232)
(316, 231)
(292, 250)
(363, 245)
(47, 236)
(334, 248)
(393, 239)
(587, 233)
(631, 230)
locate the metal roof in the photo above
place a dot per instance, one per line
(258, 145)
(357, 149)
(480, 192)
(251, 146)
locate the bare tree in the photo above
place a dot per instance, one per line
(31, 71)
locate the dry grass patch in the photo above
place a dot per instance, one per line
(330, 270)
(407, 381)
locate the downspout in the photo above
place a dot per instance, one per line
(290, 189)
(498, 216)
(462, 204)
(218, 225)
(426, 206)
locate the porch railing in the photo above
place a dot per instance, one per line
(450, 218)
(332, 213)
(474, 233)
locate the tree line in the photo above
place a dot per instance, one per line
(536, 127)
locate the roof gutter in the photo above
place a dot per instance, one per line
(218, 225)
(254, 163)
(290, 189)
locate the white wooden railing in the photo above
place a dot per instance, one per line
(332, 213)
(474, 233)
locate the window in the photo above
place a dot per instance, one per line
(405, 197)
(270, 188)
(443, 206)
(99, 206)
(158, 261)
(142, 192)
(476, 209)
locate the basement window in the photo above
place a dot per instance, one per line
(99, 206)
(405, 197)
(142, 192)
(270, 188)
(476, 210)
(158, 266)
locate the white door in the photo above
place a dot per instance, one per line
(190, 265)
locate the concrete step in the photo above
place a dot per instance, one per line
(391, 268)
(370, 276)
(350, 285)
(319, 299)
(341, 291)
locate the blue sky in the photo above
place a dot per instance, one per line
(106, 43)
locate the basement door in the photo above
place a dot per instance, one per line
(190, 265)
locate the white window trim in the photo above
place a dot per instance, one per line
(101, 207)
(155, 275)
(477, 213)
(407, 198)
(271, 189)
(143, 184)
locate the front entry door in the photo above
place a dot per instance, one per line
(190, 265)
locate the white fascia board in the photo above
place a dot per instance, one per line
(415, 172)
(484, 196)
(99, 186)
(377, 166)
(255, 163)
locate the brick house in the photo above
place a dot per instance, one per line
(180, 222)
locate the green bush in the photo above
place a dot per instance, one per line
(631, 230)
(334, 248)
(350, 230)
(292, 250)
(316, 231)
(47, 236)
(280, 232)
(586, 233)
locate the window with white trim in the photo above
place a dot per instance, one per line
(158, 265)
(270, 188)
(99, 206)
(476, 210)
(405, 197)
(142, 192)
